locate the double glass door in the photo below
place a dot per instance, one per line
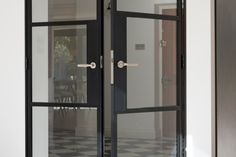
(64, 79)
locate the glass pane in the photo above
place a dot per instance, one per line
(153, 82)
(63, 10)
(64, 132)
(156, 136)
(56, 53)
(150, 6)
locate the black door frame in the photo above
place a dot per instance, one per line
(119, 20)
(93, 26)
(181, 20)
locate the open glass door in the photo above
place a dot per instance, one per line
(148, 117)
(64, 78)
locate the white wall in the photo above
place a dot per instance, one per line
(12, 91)
(200, 86)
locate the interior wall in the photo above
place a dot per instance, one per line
(200, 78)
(226, 77)
(12, 79)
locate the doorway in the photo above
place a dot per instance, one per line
(165, 32)
(66, 101)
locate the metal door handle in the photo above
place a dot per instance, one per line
(122, 64)
(92, 65)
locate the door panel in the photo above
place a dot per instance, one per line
(64, 132)
(148, 104)
(144, 134)
(152, 56)
(142, 6)
(64, 78)
(57, 53)
(63, 10)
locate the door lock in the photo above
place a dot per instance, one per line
(122, 64)
(92, 65)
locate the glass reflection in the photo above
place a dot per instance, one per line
(150, 6)
(147, 134)
(153, 82)
(63, 10)
(64, 132)
(56, 53)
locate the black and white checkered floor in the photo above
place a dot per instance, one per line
(66, 144)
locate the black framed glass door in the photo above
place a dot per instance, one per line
(64, 78)
(148, 117)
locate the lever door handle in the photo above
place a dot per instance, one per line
(122, 64)
(92, 65)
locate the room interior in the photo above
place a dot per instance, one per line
(210, 82)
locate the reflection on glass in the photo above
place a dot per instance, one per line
(64, 132)
(63, 10)
(150, 6)
(152, 45)
(56, 53)
(147, 134)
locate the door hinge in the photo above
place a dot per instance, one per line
(101, 62)
(26, 64)
(112, 66)
(163, 43)
(182, 62)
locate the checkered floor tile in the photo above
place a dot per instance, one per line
(66, 144)
(146, 148)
